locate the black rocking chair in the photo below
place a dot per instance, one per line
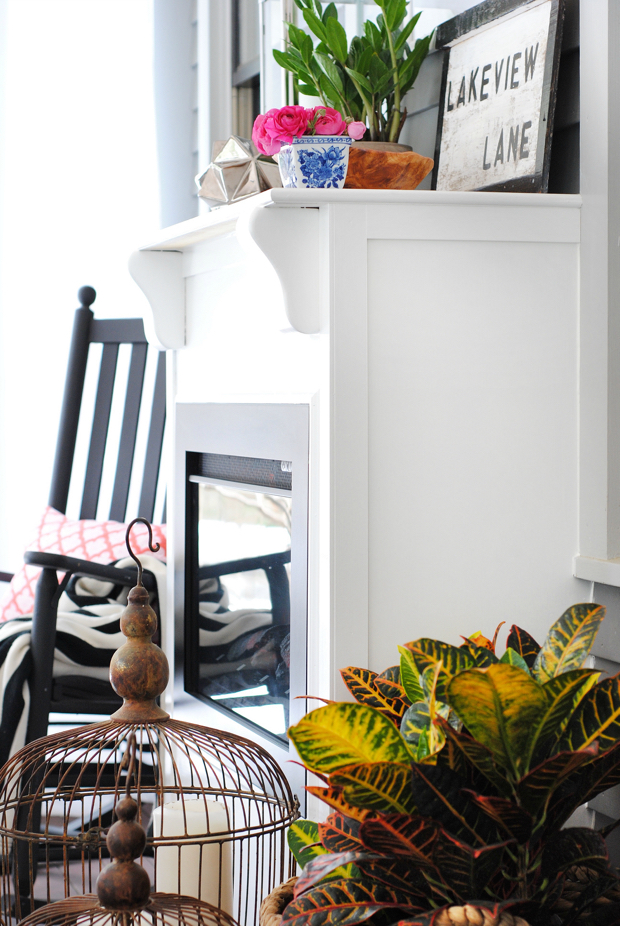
(69, 694)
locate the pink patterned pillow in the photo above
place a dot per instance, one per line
(97, 541)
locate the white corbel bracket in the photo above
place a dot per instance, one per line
(159, 274)
(289, 239)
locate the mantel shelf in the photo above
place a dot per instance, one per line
(285, 224)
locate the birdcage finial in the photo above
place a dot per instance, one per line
(124, 885)
(139, 669)
(152, 548)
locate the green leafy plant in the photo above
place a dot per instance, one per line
(365, 81)
(451, 780)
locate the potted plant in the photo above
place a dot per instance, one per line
(366, 81)
(312, 145)
(451, 781)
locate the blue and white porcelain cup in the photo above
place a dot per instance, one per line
(315, 162)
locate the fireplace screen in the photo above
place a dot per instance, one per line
(238, 602)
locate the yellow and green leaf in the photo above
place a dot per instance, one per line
(409, 676)
(499, 706)
(426, 652)
(512, 658)
(568, 642)
(303, 841)
(563, 695)
(332, 737)
(596, 718)
(378, 786)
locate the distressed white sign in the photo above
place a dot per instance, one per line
(492, 131)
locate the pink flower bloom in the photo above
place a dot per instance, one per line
(263, 140)
(356, 130)
(286, 123)
(331, 123)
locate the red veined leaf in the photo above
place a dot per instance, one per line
(400, 834)
(479, 639)
(440, 792)
(467, 752)
(574, 846)
(318, 868)
(340, 834)
(512, 819)
(335, 798)
(536, 788)
(601, 773)
(344, 903)
(467, 870)
(524, 644)
(402, 873)
(391, 674)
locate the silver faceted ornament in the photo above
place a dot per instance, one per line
(237, 170)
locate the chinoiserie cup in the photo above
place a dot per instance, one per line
(315, 162)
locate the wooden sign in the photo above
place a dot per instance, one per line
(498, 96)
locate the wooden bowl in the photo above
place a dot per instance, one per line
(370, 169)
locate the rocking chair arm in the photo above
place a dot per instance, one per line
(80, 567)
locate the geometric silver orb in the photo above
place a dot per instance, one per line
(236, 171)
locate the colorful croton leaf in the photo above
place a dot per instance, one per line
(451, 781)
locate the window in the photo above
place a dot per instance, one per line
(245, 66)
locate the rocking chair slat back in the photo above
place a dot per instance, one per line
(111, 334)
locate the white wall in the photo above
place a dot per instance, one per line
(78, 189)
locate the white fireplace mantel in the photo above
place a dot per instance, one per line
(434, 337)
(435, 340)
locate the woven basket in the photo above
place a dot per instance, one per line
(271, 909)
(273, 906)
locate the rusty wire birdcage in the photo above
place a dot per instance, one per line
(216, 806)
(124, 896)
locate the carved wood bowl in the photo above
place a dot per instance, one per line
(393, 167)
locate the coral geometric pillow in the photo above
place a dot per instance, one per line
(97, 541)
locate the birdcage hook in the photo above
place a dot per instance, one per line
(152, 548)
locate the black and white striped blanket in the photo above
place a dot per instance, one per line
(87, 634)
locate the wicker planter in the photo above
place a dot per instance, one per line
(273, 906)
(385, 166)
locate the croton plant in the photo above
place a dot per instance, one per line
(452, 779)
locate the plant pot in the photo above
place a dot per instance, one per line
(273, 905)
(376, 165)
(315, 162)
(382, 146)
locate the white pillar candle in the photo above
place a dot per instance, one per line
(204, 870)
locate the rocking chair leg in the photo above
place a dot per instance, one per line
(42, 642)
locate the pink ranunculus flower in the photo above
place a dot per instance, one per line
(356, 130)
(265, 143)
(286, 123)
(331, 123)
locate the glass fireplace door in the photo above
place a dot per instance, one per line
(238, 598)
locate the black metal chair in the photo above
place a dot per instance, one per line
(71, 694)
